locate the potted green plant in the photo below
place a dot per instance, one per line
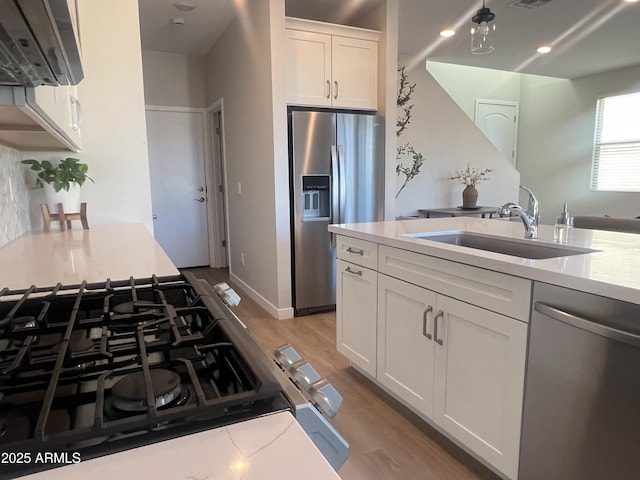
(61, 182)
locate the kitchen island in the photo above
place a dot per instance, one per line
(444, 328)
(613, 271)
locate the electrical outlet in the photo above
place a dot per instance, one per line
(242, 259)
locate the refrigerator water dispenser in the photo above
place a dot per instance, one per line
(315, 197)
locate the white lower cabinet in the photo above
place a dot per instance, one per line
(479, 380)
(458, 364)
(405, 341)
(356, 315)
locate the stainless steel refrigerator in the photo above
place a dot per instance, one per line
(336, 176)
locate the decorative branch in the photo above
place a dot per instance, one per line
(408, 172)
(405, 91)
(404, 95)
(471, 176)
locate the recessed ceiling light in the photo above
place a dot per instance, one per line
(447, 33)
(631, 1)
(177, 21)
(544, 49)
(184, 6)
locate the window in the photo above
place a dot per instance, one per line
(616, 152)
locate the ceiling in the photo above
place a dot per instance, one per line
(587, 36)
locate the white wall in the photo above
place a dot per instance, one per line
(173, 80)
(114, 128)
(448, 139)
(385, 19)
(487, 84)
(555, 152)
(245, 69)
(555, 135)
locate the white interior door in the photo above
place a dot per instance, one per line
(178, 184)
(499, 122)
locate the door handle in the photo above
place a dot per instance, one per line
(77, 122)
(355, 272)
(335, 193)
(201, 199)
(356, 251)
(328, 89)
(201, 189)
(435, 327)
(335, 82)
(424, 322)
(343, 184)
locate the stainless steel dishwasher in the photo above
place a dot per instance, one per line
(581, 416)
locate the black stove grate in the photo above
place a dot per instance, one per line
(62, 350)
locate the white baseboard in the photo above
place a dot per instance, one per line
(277, 313)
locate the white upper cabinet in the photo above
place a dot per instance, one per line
(354, 70)
(331, 65)
(60, 108)
(40, 118)
(308, 68)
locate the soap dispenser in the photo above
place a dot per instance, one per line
(564, 219)
(562, 222)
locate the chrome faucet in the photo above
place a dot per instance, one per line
(529, 217)
(533, 209)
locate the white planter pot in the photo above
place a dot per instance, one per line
(70, 199)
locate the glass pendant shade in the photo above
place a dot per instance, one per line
(482, 38)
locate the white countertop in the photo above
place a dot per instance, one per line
(266, 448)
(613, 271)
(105, 251)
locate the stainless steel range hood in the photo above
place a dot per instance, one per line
(38, 44)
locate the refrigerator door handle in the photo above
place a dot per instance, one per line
(343, 186)
(335, 192)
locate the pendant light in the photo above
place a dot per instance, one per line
(482, 32)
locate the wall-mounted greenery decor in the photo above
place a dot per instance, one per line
(406, 150)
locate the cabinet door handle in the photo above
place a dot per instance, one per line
(355, 272)
(435, 327)
(328, 89)
(77, 122)
(424, 322)
(335, 82)
(356, 251)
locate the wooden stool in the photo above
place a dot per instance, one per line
(63, 218)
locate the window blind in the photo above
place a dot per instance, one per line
(616, 152)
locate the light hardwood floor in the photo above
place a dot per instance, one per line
(388, 441)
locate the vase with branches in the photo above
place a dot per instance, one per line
(470, 177)
(405, 90)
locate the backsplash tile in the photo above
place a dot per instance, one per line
(14, 196)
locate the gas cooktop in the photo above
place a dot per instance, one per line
(91, 369)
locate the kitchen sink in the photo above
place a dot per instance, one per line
(530, 249)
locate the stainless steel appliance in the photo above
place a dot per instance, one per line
(38, 44)
(581, 417)
(93, 369)
(337, 176)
